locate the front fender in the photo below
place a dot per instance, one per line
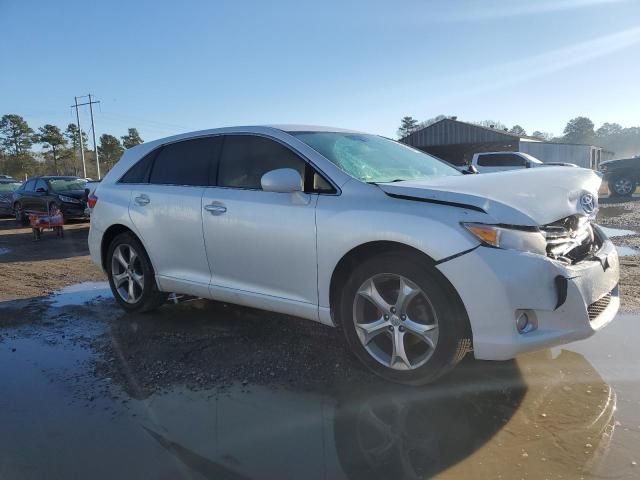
(345, 223)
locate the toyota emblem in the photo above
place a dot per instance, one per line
(588, 203)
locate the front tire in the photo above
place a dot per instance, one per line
(131, 275)
(19, 214)
(622, 186)
(402, 320)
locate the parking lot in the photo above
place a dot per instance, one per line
(208, 390)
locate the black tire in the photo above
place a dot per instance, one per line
(454, 332)
(622, 186)
(51, 206)
(150, 298)
(19, 215)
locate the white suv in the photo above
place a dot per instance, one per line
(415, 262)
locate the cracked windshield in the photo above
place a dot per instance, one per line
(320, 240)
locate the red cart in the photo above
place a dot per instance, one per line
(47, 221)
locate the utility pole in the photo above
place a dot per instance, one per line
(93, 130)
(84, 167)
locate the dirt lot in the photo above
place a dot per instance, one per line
(30, 268)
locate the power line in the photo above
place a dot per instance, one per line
(156, 124)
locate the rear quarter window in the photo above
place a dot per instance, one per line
(139, 172)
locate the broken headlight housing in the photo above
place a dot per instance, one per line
(509, 238)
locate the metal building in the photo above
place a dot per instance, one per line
(457, 141)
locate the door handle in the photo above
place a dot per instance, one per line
(215, 208)
(142, 200)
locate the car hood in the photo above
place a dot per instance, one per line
(531, 197)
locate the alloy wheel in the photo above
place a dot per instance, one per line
(395, 321)
(127, 273)
(623, 186)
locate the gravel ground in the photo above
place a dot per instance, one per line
(204, 344)
(625, 215)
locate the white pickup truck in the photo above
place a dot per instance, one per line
(487, 162)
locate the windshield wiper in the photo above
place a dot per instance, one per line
(389, 181)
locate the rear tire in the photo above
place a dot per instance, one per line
(414, 341)
(131, 275)
(622, 186)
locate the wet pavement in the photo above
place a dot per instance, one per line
(206, 390)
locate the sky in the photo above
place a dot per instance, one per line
(167, 67)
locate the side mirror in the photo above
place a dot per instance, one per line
(41, 190)
(470, 170)
(283, 180)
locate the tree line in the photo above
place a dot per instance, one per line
(60, 154)
(623, 141)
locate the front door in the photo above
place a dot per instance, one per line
(262, 243)
(41, 198)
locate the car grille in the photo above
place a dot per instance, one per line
(596, 308)
(571, 239)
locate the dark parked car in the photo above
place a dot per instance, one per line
(39, 194)
(622, 175)
(7, 187)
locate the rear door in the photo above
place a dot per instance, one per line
(260, 242)
(167, 212)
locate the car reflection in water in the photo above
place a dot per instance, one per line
(560, 421)
(539, 416)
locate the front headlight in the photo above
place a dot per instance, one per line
(509, 238)
(64, 198)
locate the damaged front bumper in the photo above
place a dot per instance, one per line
(563, 302)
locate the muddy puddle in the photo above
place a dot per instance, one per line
(206, 390)
(81, 293)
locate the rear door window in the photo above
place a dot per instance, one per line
(246, 158)
(501, 160)
(189, 162)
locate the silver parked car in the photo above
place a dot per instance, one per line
(416, 263)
